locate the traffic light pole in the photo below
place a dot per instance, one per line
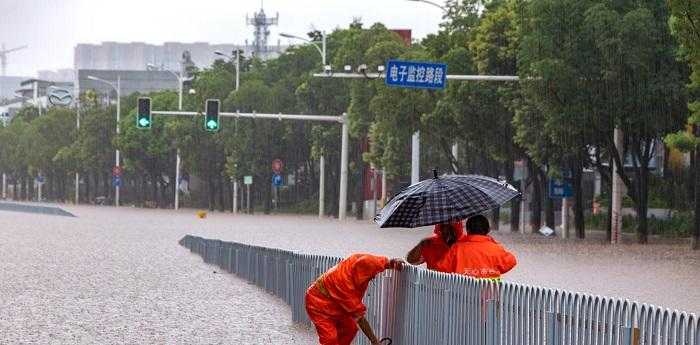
(119, 97)
(415, 142)
(343, 120)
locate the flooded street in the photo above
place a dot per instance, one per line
(119, 276)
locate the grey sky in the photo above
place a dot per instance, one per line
(51, 28)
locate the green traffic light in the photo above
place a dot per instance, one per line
(211, 124)
(143, 118)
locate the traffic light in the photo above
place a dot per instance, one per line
(143, 117)
(211, 120)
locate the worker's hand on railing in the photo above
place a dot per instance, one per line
(396, 264)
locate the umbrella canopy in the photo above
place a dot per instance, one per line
(444, 199)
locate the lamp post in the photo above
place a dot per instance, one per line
(117, 88)
(237, 62)
(181, 79)
(431, 3)
(321, 49)
(321, 163)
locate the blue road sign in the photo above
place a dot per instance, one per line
(40, 179)
(116, 181)
(421, 75)
(277, 180)
(560, 189)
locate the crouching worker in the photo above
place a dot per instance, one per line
(334, 300)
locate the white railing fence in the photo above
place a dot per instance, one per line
(419, 307)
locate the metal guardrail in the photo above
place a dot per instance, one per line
(417, 306)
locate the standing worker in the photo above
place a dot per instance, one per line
(334, 300)
(432, 249)
(478, 255)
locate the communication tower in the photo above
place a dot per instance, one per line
(261, 24)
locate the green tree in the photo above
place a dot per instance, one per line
(604, 65)
(685, 25)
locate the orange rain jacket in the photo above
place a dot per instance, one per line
(479, 256)
(334, 301)
(436, 248)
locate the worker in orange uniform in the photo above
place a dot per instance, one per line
(334, 300)
(432, 249)
(478, 255)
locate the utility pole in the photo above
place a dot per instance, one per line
(565, 217)
(617, 190)
(343, 120)
(321, 186)
(695, 242)
(415, 157)
(235, 195)
(117, 88)
(3, 57)
(77, 174)
(342, 204)
(119, 98)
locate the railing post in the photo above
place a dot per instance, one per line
(491, 322)
(551, 329)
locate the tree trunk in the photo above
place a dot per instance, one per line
(495, 218)
(154, 190)
(23, 188)
(536, 219)
(548, 202)
(579, 221)
(643, 205)
(608, 228)
(515, 203)
(210, 193)
(267, 185)
(30, 187)
(359, 188)
(695, 243)
(221, 191)
(87, 186)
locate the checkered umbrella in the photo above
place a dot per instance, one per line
(444, 199)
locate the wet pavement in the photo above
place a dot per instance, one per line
(119, 276)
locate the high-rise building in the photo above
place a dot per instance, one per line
(138, 55)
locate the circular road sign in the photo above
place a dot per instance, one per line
(117, 171)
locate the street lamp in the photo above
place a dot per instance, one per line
(181, 79)
(443, 8)
(117, 88)
(238, 64)
(321, 49)
(321, 165)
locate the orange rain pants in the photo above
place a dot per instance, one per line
(334, 301)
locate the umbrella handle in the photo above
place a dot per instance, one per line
(388, 340)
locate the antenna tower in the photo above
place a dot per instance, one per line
(261, 24)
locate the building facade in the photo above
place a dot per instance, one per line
(138, 55)
(131, 81)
